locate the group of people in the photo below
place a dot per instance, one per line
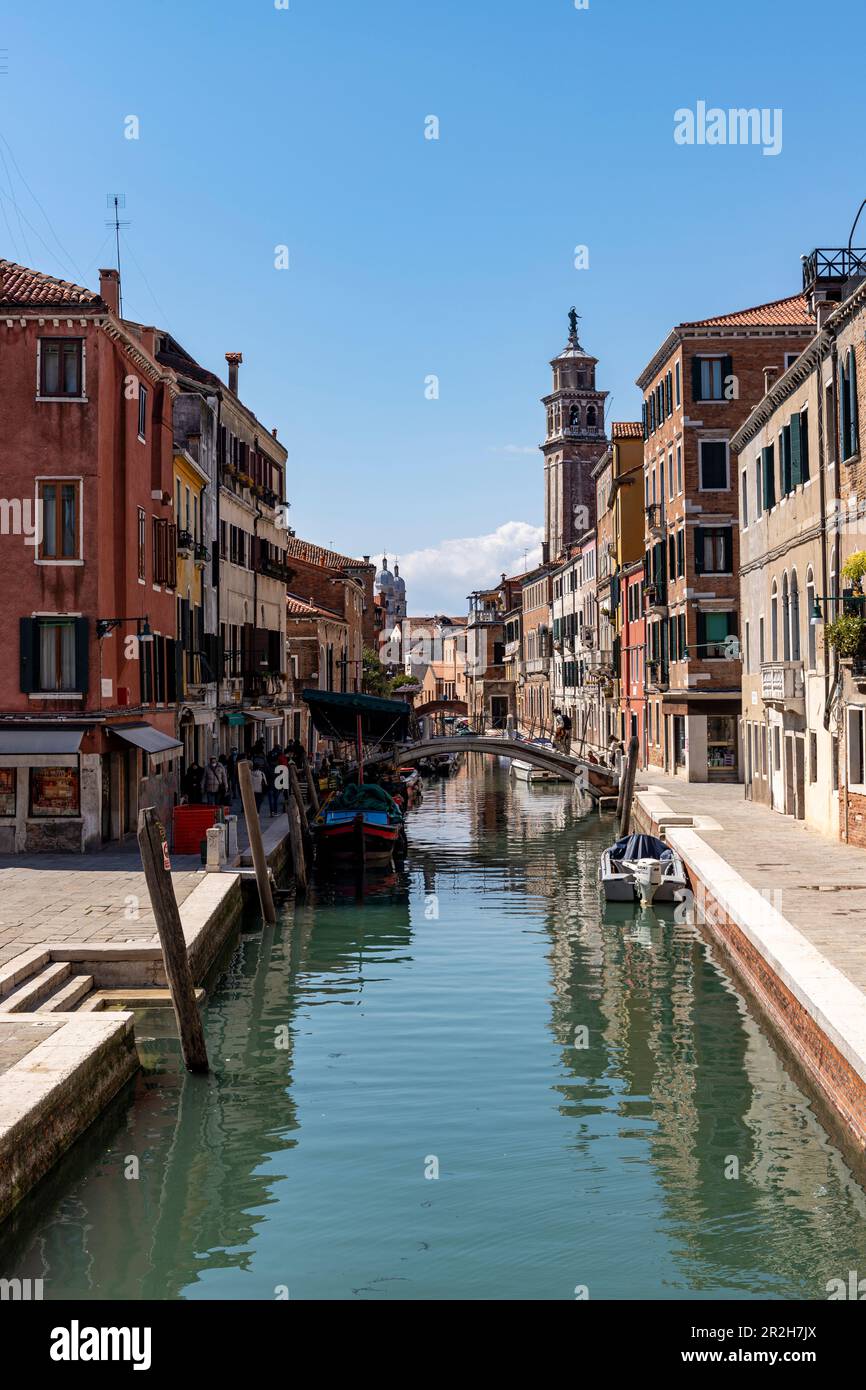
(562, 729)
(217, 784)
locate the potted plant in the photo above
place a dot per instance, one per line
(847, 635)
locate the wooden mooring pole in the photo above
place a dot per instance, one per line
(311, 787)
(297, 813)
(254, 834)
(627, 786)
(157, 872)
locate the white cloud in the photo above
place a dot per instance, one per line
(439, 577)
(515, 449)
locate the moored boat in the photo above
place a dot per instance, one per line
(644, 868)
(528, 772)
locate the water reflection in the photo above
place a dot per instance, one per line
(603, 1108)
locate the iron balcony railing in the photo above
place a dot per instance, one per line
(833, 263)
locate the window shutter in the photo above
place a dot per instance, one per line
(769, 481)
(669, 393)
(842, 412)
(702, 634)
(27, 651)
(732, 624)
(727, 372)
(643, 420)
(681, 557)
(853, 423)
(728, 544)
(696, 378)
(699, 550)
(82, 653)
(796, 456)
(682, 622)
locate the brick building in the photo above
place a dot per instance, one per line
(698, 389)
(87, 707)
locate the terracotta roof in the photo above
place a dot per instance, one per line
(299, 608)
(779, 312)
(18, 285)
(317, 555)
(626, 429)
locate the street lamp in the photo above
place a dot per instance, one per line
(142, 626)
(818, 616)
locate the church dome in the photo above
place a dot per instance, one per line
(399, 581)
(385, 579)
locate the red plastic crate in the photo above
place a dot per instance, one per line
(189, 826)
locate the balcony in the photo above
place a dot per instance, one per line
(657, 675)
(185, 543)
(536, 664)
(485, 615)
(276, 569)
(656, 599)
(655, 521)
(202, 553)
(782, 684)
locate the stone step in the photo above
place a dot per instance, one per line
(22, 967)
(25, 997)
(69, 996)
(136, 997)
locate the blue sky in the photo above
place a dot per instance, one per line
(412, 257)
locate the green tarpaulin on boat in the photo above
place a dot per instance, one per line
(335, 713)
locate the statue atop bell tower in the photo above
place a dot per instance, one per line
(574, 443)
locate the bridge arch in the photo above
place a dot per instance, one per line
(596, 778)
(455, 707)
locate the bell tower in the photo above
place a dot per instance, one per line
(574, 444)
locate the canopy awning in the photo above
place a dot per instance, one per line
(23, 741)
(235, 717)
(145, 736)
(263, 716)
(336, 713)
(201, 714)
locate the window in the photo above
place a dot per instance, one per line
(811, 640)
(54, 791)
(849, 429)
(746, 645)
(829, 424)
(677, 383)
(8, 779)
(679, 468)
(795, 617)
(714, 629)
(60, 367)
(856, 745)
(790, 359)
(670, 475)
(713, 465)
(53, 654)
(681, 553)
(142, 412)
(813, 757)
(709, 377)
(802, 432)
(774, 622)
(768, 478)
(761, 640)
(142, 544)
(164, 553)
(759, 491)
(59, 501)
(785, 460)
(744, 502)
(714, 550)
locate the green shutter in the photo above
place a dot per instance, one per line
(769, 478)
(842, 412)
(696, 378)
(796, 455)
(853, 423)
(27, 652)
(82, 654)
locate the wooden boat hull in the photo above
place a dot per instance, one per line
(358, 837)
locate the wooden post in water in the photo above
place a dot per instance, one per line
(627, 785)
(297, 796)
(254, 834)
(311, 786)
(157, 872)
(296, 839)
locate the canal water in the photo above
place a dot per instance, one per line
(464, 1080)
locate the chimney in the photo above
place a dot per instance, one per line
(823, 309)
(274, 431)
(770, 375)
(109, 289)
(234, 360)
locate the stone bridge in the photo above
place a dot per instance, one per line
(593, 777)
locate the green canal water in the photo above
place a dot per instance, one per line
(583, 1081)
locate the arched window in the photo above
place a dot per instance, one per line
(774, 622)
(574, 417)
(811, 638)
(786, 619)
(795, 617)
(590, 416)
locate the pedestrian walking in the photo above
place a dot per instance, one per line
(259, 783)
(215, 783)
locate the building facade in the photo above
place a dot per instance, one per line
(699, 387)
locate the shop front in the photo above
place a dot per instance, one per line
(49, 790)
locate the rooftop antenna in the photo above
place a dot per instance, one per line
(117, 201)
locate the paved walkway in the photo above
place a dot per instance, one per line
(98, 897)
(817, 884)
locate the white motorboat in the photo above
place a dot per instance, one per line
(528, 772)
(644, 868)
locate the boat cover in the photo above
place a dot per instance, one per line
(632, 847)
(336, 713)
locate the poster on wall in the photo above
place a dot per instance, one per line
(7, 791)
(54, 791)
